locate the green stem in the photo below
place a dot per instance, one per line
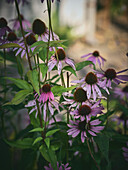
(92, 154)
(38, 70)
(22, 32)
(40, 119)
(62, 79)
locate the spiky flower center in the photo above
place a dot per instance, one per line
(61, 54)
(46, 88)
(38, 27)
(80, 95)
(30, 39)
(81, 125)
(3, 22)
(11, 36)
(110, 73)
(84, 110)
(125, 89)
(95, 53)
(91, 78)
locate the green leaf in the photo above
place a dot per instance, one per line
(37, 130)
(22, 84)
(33, 78)
(51, 132)
(37, 140)
(10, 45)
(83, 64)
(68, 68)
(19, 97)
(57, 43)
(19, 65)
(22, 143)
(39, 43)
(58, 90)
(43, 69)
(49, 155)
(103, 143)
(47, 141)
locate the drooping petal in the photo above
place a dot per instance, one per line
(123, 77)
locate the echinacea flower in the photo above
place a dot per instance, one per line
(11, 38)
(18, 1)
(125, 152)
(57, 59)
(4, 27)
(85, 111)
(91, 84)
(109, 75)
(59, 167)
(16, 24)
(46, 99)
(39, 28)
(85, 127)
(95, 56)
(76, 99)
(30, 39)
(122, 93)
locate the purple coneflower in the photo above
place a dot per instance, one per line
(122, 93)
(76, 99)
(11, 38)
(86, 111)
(47, 98)
(85, 127)
(16, 24)
(4, 27)
(18, 1)
(59, 167)
(39, 28)
(30, 39)
(57, 59)
(109, 75)
(125, 152)
(95, 56)
(91, 84)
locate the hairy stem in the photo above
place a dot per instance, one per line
(22, 32)
(92, 154)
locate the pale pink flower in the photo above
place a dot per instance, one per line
(86, 128)
(91, 84)
(95, 56)
(58, 59)
(111, 75)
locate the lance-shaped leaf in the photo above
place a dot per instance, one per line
(37, 140)
(58, 90)
(22, 84)
(83, 64)
(33, 78)
(36, 130)
(22, 143)
(43, 69)
(68, 68)
(10, 45)
(19, 97)
(49, 155)
(51, 132)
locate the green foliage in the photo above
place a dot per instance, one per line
(22, 143)
(19, 97)
(58, 90)
(22, 84)
(36, 130)
(43, 69)
(10, 45)
(51, 132)
(33, 78)
(83, 64)
(70, 69)
(38, 139)
(49, 155)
